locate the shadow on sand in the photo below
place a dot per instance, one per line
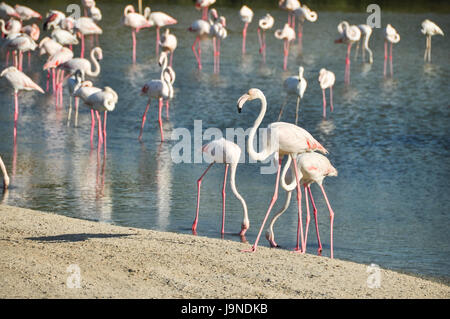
(74, 237)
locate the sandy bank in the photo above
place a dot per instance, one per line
(37, 248)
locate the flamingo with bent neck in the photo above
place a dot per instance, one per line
(136, 21)
(283, 139)
(349, 34)
(228, 153)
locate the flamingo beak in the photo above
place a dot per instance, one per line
(240, 103)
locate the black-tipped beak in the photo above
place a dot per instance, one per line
(241, 102)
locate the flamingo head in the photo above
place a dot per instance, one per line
(7, 70)
(52, 19)
(144, 89)
(250, 95)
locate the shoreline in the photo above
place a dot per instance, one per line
(45, 255)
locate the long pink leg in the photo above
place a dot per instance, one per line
(53, 80)
(308, 218)
(244, 36)
(286, 53)
(293, 21)
(272, 202)
(300, 35)
(319, 250)
(385, 57)
(143, 120)
(218, 55)
(324, 104)
(133, 36)
(264, 46)
(100, 133)
(16, 112)
(167, 109)
(331, 98)
(215, 54)
(347, 64)
(7, 58)
(160, 119)
(92, 128)
(199, 184)
(197, 57)
(20, 60)
(82, 46)
(48, 79)
(299, 202)
(390, 60)
(260, 41)
(157, 41)
(331, 219)
(29, 59)
(104, 131)
(224, 196)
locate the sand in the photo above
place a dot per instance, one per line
(45, 255)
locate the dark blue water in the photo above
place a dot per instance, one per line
(388, 138)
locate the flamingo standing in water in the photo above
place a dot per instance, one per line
(203, 29)
(285, 139)
(246, 15)
(86, 26)
(161, 89)
(49, 46)
(21, 43)
(429, 28)
(366, 32)
(304, 13)
(52, 63)
(390, 35)
(228, 153)
(289, 6)
(349, 34)
(313, 168)
(169, 44)
(220, 33)
(294, 85)
(159, 19)
(264, 24)
(326, 80)
(204, 5)
(5, 175)
(287, 34)
(135, 21)
(19, 81)
(74, 82)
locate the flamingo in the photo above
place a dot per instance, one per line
(203, 29)
(94, 13)
(348, 35)
(86, 26)
(74, 82)
(220, 33)
(264, 24)
(32, 30)
(21, 43)
(83, 90)
(26, 13)
(204, 5)
(136, 21)
(50, 47)
(12, 28)
(326, 80)
(6, 11)
(366, 32)
(390, 35)
(64, 37)
(52, 63)
(289, 6)
(53, 19)
(87, 4)
(285, 139)
(246, 15)
(169, 44)
(159, 19)
(19, 81)
(287, 34)
(161, 89)
(228, 153)
(5, 175)
(294, 85)
(304, 13)
(429, 28)
(313, 168)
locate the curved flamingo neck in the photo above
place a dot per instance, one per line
(128, 9)
(251, 150)
(95, 62)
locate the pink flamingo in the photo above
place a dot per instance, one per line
(203, 29)
(304, 13)
(6, 11)
(313, 168)
(26, 13)
(390, 35)
(161, 89)
(21, 43)
(204, 5)
(264, 24)
(60, 57)
(159, 19)
(136, 21)
(349, 34)
(429, 28)
(287, 34)
(19, 81)
(5, 175)
(289, 6)
(246, 15)
(87, 4)
(50, 47)
(86, 26)
(228, 153)
(220, 33)
(94, 12)
(286, 139)
(326, 80)
(169, 44)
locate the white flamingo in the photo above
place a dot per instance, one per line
(6, 11)
(204, 5)
(390, 35)
(74, 82)
(20, 44)
(159, 20)
(169, 44)
(313, 168)
(135, 21)
(287, 34)
(246, 15)
(366, 32)
(429, 28)
(304, 13)
(326, 80)
(289, 6)
(294, 85)
(264, 24)
(85, 26)
(284, 139)
(348, 34)
(228, 153)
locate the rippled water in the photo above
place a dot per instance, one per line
(388, 138)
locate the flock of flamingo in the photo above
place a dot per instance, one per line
(304, 164)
